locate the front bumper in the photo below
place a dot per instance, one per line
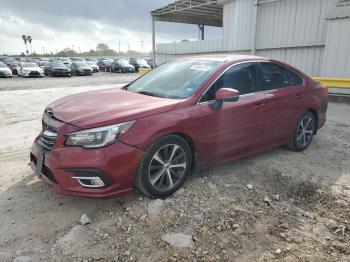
(116, 165)
(84, 73)
(128, 70)
(61, 73)
(5, 73)
(33, 74)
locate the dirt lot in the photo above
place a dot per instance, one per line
(279, 205)
(101, 78)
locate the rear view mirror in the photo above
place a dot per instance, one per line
(225, 95)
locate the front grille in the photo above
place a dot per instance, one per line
(48, 138)
(87, 70)
(34, 73)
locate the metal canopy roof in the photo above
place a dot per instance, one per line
(199, 12)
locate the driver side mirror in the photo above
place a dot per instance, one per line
(225, 95)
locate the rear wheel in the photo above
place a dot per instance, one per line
(165, 166)
(304, 132)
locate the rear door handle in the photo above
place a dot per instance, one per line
(299, 95)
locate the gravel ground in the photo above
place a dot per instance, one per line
(278, 205)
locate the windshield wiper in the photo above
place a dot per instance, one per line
(150, 94)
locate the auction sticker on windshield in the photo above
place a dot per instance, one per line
(203, 68)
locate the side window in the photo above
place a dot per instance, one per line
(242, 77)
(276, 76)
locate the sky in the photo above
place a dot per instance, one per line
(82, 24)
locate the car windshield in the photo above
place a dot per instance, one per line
(123, 62)
(82, 64)
(107, 62)
(177, 79)
(29, 65)
(141, 61)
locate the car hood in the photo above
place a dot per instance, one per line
(32, 68)
(84, 68)
(60, 67)
(109, 106)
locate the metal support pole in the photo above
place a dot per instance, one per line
(255, 29)
(154, 42)
(201, 29)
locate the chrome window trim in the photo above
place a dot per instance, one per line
(296, 73)
(261, 91)
(223, 72)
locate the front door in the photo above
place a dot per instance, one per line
(236, 127)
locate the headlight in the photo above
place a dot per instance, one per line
(98, 137)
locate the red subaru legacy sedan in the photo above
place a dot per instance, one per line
(188, 113)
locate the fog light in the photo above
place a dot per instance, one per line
(92, 182)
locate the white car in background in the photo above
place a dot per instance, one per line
(93, 65)
(5, 71)
(29, 69)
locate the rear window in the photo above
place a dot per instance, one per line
(276, 76)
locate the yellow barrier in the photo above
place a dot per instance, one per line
(334, 82)
(144, 70)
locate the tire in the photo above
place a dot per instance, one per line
(164, 167)
(303, 133)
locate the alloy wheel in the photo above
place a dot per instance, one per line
(167, 167)
(305, 131)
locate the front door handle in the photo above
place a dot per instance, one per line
(259, 106)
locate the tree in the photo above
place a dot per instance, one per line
(25, 42)
(101, 47)
(29, 39)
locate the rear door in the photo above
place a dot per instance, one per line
(237, 126)
(284, 92)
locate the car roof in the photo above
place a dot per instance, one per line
(227, 57)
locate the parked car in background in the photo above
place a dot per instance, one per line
(66, 61)
(139, 63)
(57, 69)
(93, 65)
(81, 69)
(43, 64)
(5, 71)
(105, 64)
(12, 64)
(150, 62)
(122, 66)
(153, 132)
(26, 69)
(77, 59)
(91, 59)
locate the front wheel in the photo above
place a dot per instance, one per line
(304, 132)
(165, 166)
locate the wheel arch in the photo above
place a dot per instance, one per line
(314, 112)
